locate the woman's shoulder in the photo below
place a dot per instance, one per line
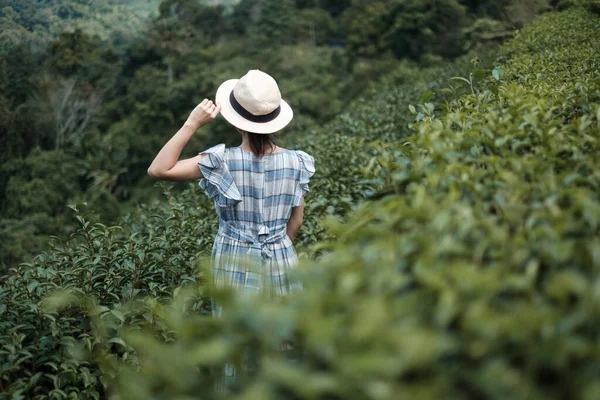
(294, 152)
(224, 152)
(298, 157)
(303, 160)
(303, 156)
(237, 150)
(216, 149)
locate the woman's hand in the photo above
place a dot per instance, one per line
(166, 164)
(204, 113)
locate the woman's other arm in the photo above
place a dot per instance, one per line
(295, 221)
(166, 165)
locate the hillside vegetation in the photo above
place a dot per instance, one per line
(42, 20)
(91, 90)
(157, 249)
(473, 275)
(456, 212)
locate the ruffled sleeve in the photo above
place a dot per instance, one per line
(218, 183)
(307, 169)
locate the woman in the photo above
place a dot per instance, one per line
(258, 188)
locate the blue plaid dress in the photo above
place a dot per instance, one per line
(254, 197)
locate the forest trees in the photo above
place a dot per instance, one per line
(104, 84)
(406, 28)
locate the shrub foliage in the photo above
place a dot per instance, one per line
(458, 233)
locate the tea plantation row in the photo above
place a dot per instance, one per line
(156, 250)
(471, 272)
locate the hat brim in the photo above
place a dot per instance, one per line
(283, 119)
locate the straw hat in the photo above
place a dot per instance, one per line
(253, 103)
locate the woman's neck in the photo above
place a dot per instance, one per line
(246, 146)
(245, 143)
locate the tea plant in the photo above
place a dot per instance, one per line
(472, 273)
(154, 251)
(469, 272)
(99, 263)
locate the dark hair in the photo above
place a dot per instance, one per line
(260, 144)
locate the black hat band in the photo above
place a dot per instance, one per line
(251, 117)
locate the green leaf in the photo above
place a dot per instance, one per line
(67, 341)
(426, 96)
(461, 79)
(176, 291)
(118, 340)
(118, 314)
(88, 380)
(32, 286)
(478, 74)
(498, 73)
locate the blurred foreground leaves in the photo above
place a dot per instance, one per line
(470, 272)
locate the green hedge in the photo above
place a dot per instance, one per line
(155, 250)
(99, 262)
(470, 272)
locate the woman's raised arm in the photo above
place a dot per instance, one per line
(166, 165)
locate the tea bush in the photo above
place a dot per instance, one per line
(154, 250)
(470, 272)
(98, 263)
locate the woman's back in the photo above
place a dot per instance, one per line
(254, 196)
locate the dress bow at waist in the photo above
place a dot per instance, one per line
(258, 245)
